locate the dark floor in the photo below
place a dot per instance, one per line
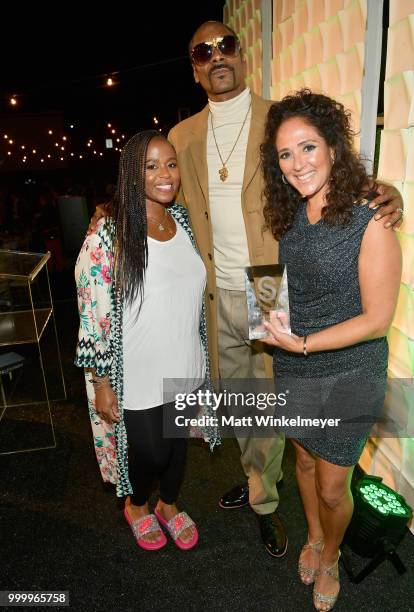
(61, 529)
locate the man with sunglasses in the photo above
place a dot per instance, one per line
(221, 183)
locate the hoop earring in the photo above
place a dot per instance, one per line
(284, 179)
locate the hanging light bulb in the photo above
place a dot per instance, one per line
(13, 101)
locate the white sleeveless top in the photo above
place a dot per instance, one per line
(164, 341)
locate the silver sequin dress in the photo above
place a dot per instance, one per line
(349, 383)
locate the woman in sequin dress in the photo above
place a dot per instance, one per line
(343, 274)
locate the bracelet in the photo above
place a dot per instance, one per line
(305, 352)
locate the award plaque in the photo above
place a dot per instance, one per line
(266, 291)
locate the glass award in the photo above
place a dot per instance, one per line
(266, 291)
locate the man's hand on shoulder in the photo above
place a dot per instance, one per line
(101, 210)
(391, 205)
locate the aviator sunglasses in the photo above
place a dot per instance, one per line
(229, 46)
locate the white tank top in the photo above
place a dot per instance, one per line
(164, 341)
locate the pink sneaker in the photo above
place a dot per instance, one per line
(141, 527)
(176, 525)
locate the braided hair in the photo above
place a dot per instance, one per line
(129, 213)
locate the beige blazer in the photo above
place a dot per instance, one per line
(189, 138)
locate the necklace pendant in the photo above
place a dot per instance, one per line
(161, 227)
(223, 172)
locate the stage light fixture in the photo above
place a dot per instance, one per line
(378, 524)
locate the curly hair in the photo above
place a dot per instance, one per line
(348, 179)
(128, 209)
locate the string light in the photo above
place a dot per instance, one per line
(13, 101)
(43, 156)
(110, 82)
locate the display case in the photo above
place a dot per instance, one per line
(31, 373)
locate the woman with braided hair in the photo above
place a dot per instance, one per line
(140, 286)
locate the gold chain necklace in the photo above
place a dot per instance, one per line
(161, 224)
(224, 172)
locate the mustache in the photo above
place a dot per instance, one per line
(219, 67)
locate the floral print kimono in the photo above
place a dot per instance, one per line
(100, 346)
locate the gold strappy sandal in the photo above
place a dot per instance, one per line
(327, 601)
(308, 574)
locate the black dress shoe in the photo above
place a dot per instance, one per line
(236, 498)
(273, 534)
(239, 496)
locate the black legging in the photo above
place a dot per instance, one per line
(151, 457)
